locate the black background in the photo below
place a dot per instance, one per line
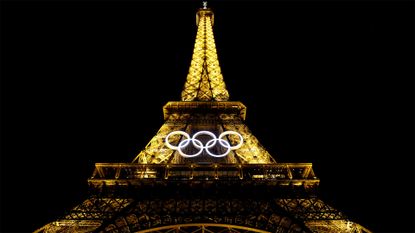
(327, 82)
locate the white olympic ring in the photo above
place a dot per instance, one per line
(199, 145)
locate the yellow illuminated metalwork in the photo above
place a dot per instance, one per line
(156, 150)
(204, 108)
(87, 216)
(251, 151)
(325, 226)
(204, 80)
(204, 227)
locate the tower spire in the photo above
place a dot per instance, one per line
(204, 81)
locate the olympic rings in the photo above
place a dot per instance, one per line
(199, 145)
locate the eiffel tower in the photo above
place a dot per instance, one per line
(204, 171)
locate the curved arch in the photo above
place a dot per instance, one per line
(203, 227)
(251, 215)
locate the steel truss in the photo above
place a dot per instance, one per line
(161, 191)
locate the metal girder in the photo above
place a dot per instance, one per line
(325, 226)
(246, 191)
(309, 209)
(98, 208)
(251, 151)
(192, 107)
(156, 151)
(213, 117)
(203, 227)
(204, 81)
(128, 173)
(149, 215)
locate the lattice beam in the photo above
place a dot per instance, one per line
(346, 226)
(158, 215)
(156, 151)
(309, 209)
(204, 81)
(127, 173)
(251, 151)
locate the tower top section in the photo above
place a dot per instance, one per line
(204, 81)
(204, 128)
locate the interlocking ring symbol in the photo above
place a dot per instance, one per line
(199, 145)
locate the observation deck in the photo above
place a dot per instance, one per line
(128, 174)
(182, 107)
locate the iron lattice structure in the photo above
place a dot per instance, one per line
(162, 190)
(204, 81)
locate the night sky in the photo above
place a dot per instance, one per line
(326, 82)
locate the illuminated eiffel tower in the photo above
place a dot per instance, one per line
(203, 171)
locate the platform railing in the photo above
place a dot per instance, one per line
(276, 172)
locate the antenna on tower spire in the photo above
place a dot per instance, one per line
(204, 4)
